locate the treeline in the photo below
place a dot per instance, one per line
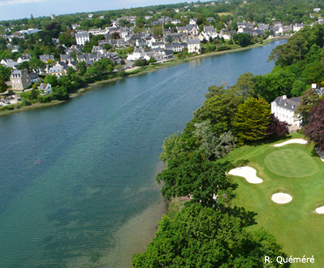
(210, 230)
(298, 64)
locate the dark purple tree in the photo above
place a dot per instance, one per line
(277, 128)
(315, 129)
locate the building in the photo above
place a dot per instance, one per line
(20, 79)
(29, 31)
(52, 17)
(82, 38)
(34, 78)
(194, 46)
(45, 89)
(284, 109)
(45, 58)
(298, 26)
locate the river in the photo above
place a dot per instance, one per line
(77, 185)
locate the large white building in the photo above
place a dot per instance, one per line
(194, 46)
(82, 38)
(284, 109)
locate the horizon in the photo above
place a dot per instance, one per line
(19, 9)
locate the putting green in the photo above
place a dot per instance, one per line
(291, 163)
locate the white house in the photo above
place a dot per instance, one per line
(137, 54)
(46, 89)
(298, 26)
(194, 46)
(284, 109)
(317, 9)
(193, 21)
(82, 38)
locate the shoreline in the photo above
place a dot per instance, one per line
(142, 70)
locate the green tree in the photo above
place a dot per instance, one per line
(220, 109)
(243, 39)
(245, 86)
(51, 79)
(193, 175)
(81, 67)
(174, 146)
(3, 86)
(5, 73)
(204, 237)
(251, 120)
(169, 39)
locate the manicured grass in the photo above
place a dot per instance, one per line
(295, 225)
(291, 163)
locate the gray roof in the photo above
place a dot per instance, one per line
(290, 104)
(33, 76)
(82, 34)
(193, 41)
(46, 57)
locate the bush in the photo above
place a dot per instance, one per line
(223, 47)
(140, 62)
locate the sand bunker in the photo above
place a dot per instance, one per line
(320, 210)
(299, 141)
(246, 172)
(281, 198)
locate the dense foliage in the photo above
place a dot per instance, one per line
(204, 237)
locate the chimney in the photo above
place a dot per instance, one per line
(284, 97)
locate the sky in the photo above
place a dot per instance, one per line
(16, 9)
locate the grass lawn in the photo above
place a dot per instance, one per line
(294, 169)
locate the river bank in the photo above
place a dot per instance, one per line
(141, 71)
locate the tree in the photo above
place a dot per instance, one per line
(81, 67)
(210, 144)
(151, 60)
(309, 100)
(277, 128)
(3, 86)
(315, 129)
(220, 109)
(5, 73)
(51, 79)
(204, 237)
(245, 86)
(140, 62)
(35, 64)
(174, 146)
(251, 120)
(192, 174)
(243, 39)
(169, 39)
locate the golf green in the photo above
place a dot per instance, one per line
(291, 163)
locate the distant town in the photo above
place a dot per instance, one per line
(120, 44)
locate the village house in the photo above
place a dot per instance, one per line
(194, 46)
(176, 47)
(284, 109)
(34, 78)
(58, 70)
(46, 58)
(298, 26)
(82, 38)
(189, 29)
(20, 79)
(9, 63)
(45, 89)
(177, 37)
